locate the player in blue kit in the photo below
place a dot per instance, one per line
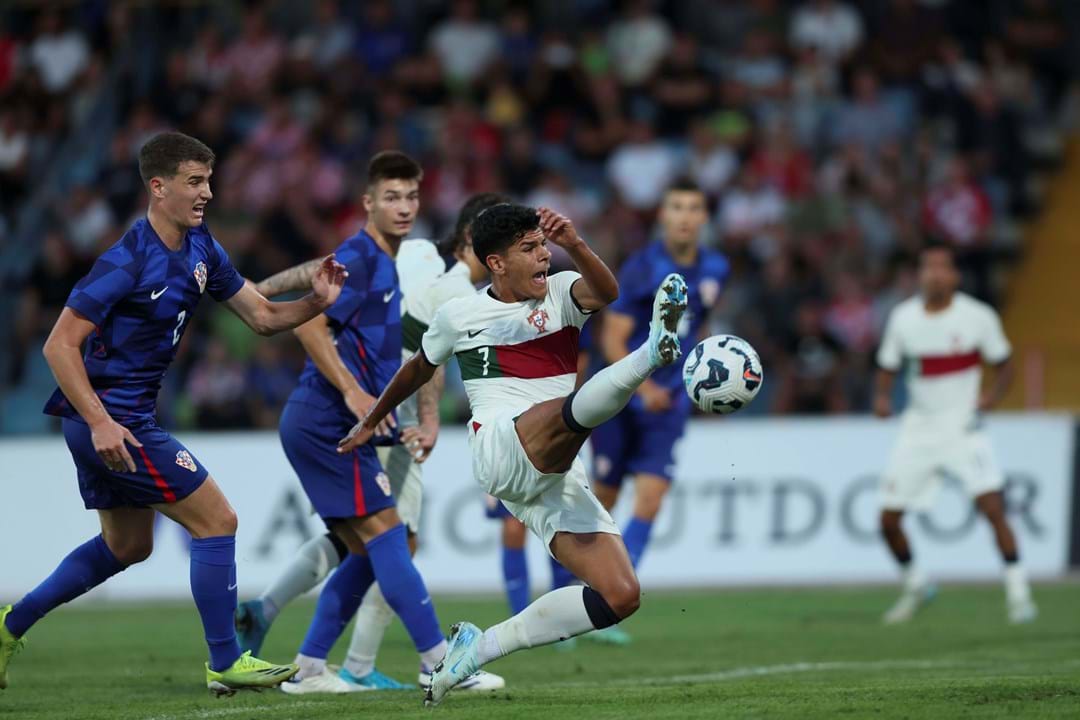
(640, 440)
(354, 349)
(131, 311)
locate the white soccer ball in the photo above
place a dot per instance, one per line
(722, 374)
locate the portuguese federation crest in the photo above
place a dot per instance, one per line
(538, 319)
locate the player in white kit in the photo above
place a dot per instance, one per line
(942, 337)
(516, 344)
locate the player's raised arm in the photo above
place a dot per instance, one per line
(407, 380)
(297, 278)
(266, 317)
(598, 286)
(64, 354)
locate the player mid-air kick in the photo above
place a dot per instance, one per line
(943, 337)
(516, 343)
(131, 310)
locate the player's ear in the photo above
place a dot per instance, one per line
(156, 187)
(496, 264)
(368, 203)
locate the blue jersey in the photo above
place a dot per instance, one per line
(642, 274)
(140, 296)
(365, 322)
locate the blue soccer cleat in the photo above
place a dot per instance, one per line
(668, 308)
(462, 660)
(374, 680)
(251, 626)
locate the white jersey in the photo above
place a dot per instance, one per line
(943, 353)
(511, 355)
(418, 266)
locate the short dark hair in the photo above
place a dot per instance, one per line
(684, 183)
(162, 154)
(473, 206)
(393, 165)
(938, 245)
(494, 230)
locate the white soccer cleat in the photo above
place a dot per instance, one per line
(460, 663)
(325, 683)
(668, 308)
(479, 680)
(910, 602)
(1023, 611)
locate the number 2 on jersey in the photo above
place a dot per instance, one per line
(179, 324)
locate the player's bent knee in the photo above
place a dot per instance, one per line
(624, 597)
(132, 552)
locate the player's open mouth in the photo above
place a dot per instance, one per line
(198, 210)
(540, 278)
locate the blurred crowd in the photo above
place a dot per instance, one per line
(831, 138)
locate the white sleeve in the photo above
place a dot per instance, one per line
(891, 353)
(559, 286)
(993, 345)
(441, 336)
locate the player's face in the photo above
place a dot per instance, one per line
(938, 277)
(183, 197)
(682, 216)
(392, 206)
(524, 266)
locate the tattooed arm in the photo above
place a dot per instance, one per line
(295, 278)
(420, 440)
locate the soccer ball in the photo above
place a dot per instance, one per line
(722, 374)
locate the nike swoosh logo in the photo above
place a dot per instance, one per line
(426, 601)
(454, 667)
(232, 587)
(474, 333)
(159, 293)
(387, 296)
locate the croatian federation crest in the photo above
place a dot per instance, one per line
(200, 275)
(538, 319)
(383, 482)
(184, 459)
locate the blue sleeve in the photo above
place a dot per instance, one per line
(109, 281)
(223, 281)
(356, 285)
(635, 286)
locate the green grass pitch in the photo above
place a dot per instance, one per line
(801, 653)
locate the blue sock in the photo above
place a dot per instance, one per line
(86, 567)
(560, 576)
(213, 585)
(338, 602)
(515, 578)
(403, 587)
(636, 537)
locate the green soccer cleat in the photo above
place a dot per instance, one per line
(248, 673)
(9, 646)
(613, 635)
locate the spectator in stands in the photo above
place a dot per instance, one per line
(641, 167)
(866, 119)
(682, 88)
(465, 45)
(637, 41)
(381, 43)
(834, 28)
(59, 53)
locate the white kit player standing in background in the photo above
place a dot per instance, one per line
(516, 344)
(943, 337)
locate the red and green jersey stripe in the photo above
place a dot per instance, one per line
(936, 365)
(547, 356)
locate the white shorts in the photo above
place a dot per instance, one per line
(406, 483)
(920, 460)
(546, 503)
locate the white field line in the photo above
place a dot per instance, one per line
(253, 710)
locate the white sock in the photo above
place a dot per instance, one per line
(309, 666)
(372, 620)
(913, 578)
(558, 615)
(1017, 588)
(608, 391)
(431, 657)
(310, 566)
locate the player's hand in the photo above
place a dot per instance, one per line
(109, 440)
(360, 404)
(558, 228)
(356, 437)
(882, 406)
(419, 440)
(328, 280)
(653, 397)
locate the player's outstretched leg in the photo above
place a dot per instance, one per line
(372, 620)
(309, 567)
(1021, 607)
(612, 595)
(206, 514)
(917, 590)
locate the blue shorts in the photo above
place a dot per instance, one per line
(165, 471)
(339, 486)
(494, 509)
(637, 441)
